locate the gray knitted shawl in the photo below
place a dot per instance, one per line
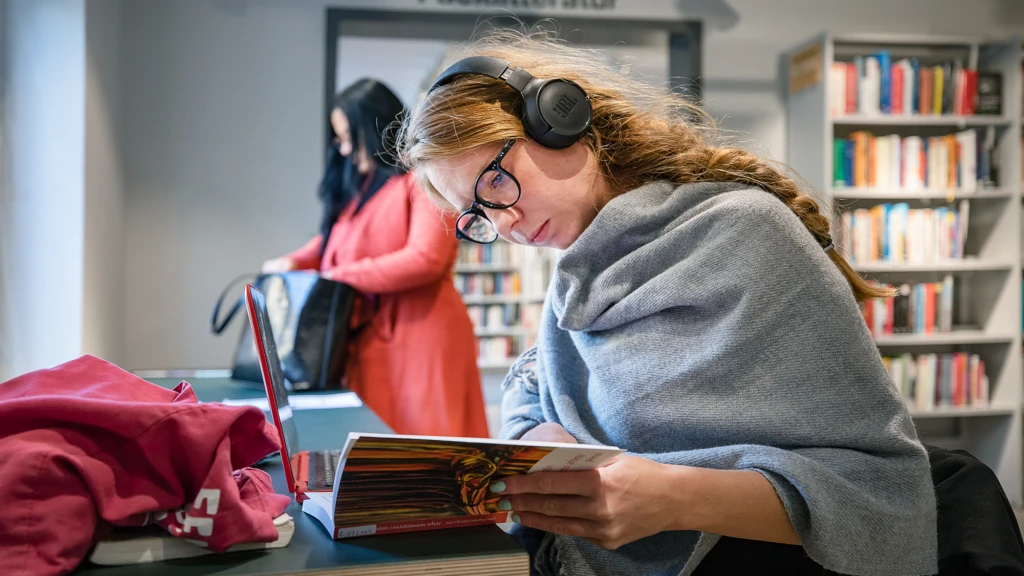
(702, 325)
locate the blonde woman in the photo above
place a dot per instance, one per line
(699, 318)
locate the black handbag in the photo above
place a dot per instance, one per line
(310, 318)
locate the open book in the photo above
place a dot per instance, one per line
(393, 483)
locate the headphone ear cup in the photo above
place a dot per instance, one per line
(556, 113)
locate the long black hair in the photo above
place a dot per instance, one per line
(371, 108)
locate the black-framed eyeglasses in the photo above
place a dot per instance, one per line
(495, 188)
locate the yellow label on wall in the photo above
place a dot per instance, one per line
(805, 68)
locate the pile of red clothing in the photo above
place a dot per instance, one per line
(87, 446)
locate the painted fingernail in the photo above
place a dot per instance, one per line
(498, 487)
(504, 505)
(515, 518)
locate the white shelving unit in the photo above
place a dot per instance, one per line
(897, 194)
(929, 120)
(988, 292)
(966, 265)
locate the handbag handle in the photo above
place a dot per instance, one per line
(216, 327)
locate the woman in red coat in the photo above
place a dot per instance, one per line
(415, 365)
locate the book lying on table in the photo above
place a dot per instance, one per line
(388, 483)
(154, 544)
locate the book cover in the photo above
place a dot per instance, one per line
(948, 87)
(837, 89)
(960, 387)
(983, 385)
(958, 99)
(870, 89)
(873, 161)
(967, 146)
(859, 70)
(938, 86)
(913, 94)
(896, 162)
(849, 161)
(884, 82)
(933, 381)
(970, 92)
(890, 312)
(154, 544)
(901, 310)
(974, 380)
(393, 483)
(839, 163)
(923, 389)
(929, 311)
(925, 96)
(898, 71)
(860, 158)
(851, 84)
(911, 178)
(990, 93)
(949, 163)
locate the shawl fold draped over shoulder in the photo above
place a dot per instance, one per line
(702, 325)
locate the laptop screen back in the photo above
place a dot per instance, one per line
(259, 321)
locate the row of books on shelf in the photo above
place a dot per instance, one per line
(874, 84)
(928, 381)
(494, 254)
(536, 276)
(494, 349)
(488, 284)
(962, 161)
(924, 308)
(494, 316)
(896, 233)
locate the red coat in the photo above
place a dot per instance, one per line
(415, 366)
(86, 445)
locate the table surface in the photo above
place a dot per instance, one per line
(311, 549)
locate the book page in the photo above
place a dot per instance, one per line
(573, 460)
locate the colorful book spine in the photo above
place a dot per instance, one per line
(874, 84)
(924, 308)
(949, 380)
(960, 162)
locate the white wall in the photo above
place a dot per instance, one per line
(103, 280)
(42, 190)
(221, 146)
(222, 152)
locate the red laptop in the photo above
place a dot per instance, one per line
(305, 471)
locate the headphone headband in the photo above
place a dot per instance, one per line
(484, 66)
(556, 112)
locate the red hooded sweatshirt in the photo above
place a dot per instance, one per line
(86, 446)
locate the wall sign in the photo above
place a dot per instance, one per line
(805, 68)
(716, 13)
(579, 5)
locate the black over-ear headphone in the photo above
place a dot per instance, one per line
(556, 112)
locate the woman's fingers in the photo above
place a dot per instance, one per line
(585, 483)
(563, 506)
(561, 526)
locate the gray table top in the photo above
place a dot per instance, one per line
(312, 550)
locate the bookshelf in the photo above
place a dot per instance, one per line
(503, 286)
(963, 208)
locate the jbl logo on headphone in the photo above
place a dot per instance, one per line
(565, 105)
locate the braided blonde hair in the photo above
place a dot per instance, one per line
(639, 133)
